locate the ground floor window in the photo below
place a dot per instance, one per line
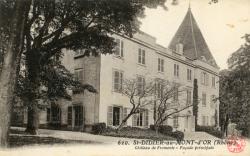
(115, 115)
(70, 115)
(78, 115)
(175, 122)
(140, 119)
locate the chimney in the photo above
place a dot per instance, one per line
(179, 48)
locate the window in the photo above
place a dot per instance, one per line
(176, 70)
(115, 115)
(175, 122)
(79, 75)
(213, 81)
(78, 115)
(176, 94)
(140, 84)
(160, 65)
(189, 97)
(117, 80)
(70, 115)
(204, 100)
(119, 48)
(141, 56)
(204, 78)
(141, 118)
(189, 74)
(159, 89)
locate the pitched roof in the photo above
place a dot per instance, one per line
(194, 44)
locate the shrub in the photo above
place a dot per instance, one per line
(98, 128)
(165, 129)
(178, 135)
(210, 130)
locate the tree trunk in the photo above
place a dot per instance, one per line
(9, 68)
(33, 118)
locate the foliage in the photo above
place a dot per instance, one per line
(136, 132)
(178, 135)
(235, 90)
(99, 128)
(211, 130)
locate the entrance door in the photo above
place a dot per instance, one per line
(78, 116)
(116, 116)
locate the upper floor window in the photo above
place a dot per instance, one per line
(141, 56)
(79, 75)
(176, 94)
(204, 78)
(204, 99)
(160, 65)
(189, 97)
(140, 85)
(119, 48)
(117, 80)
(213, 81)
(176, 70)
(189, 74)
(159, 89)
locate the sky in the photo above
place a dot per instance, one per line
(222, 24)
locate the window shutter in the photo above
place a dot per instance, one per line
(139, 55)
(116, 80)
(134, 120)
(110, 116)
(162, 65)
(125, 113)
(146, 118)
(143, 56)
(121, 81)
(122, 45)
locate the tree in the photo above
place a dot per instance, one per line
(10, 61)
(168, 102)
(72, 24)
(140, 94)
(234, 91)
(195, 102)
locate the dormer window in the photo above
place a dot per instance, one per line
(179, 48)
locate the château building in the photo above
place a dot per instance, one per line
(186, 59)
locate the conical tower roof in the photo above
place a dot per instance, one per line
(194, 44)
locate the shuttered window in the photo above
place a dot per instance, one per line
(140, 119)
(160, 65)
(117, 80)
(119, 48)
(141, 56)
(140, 84)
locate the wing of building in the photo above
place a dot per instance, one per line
(187, 59)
